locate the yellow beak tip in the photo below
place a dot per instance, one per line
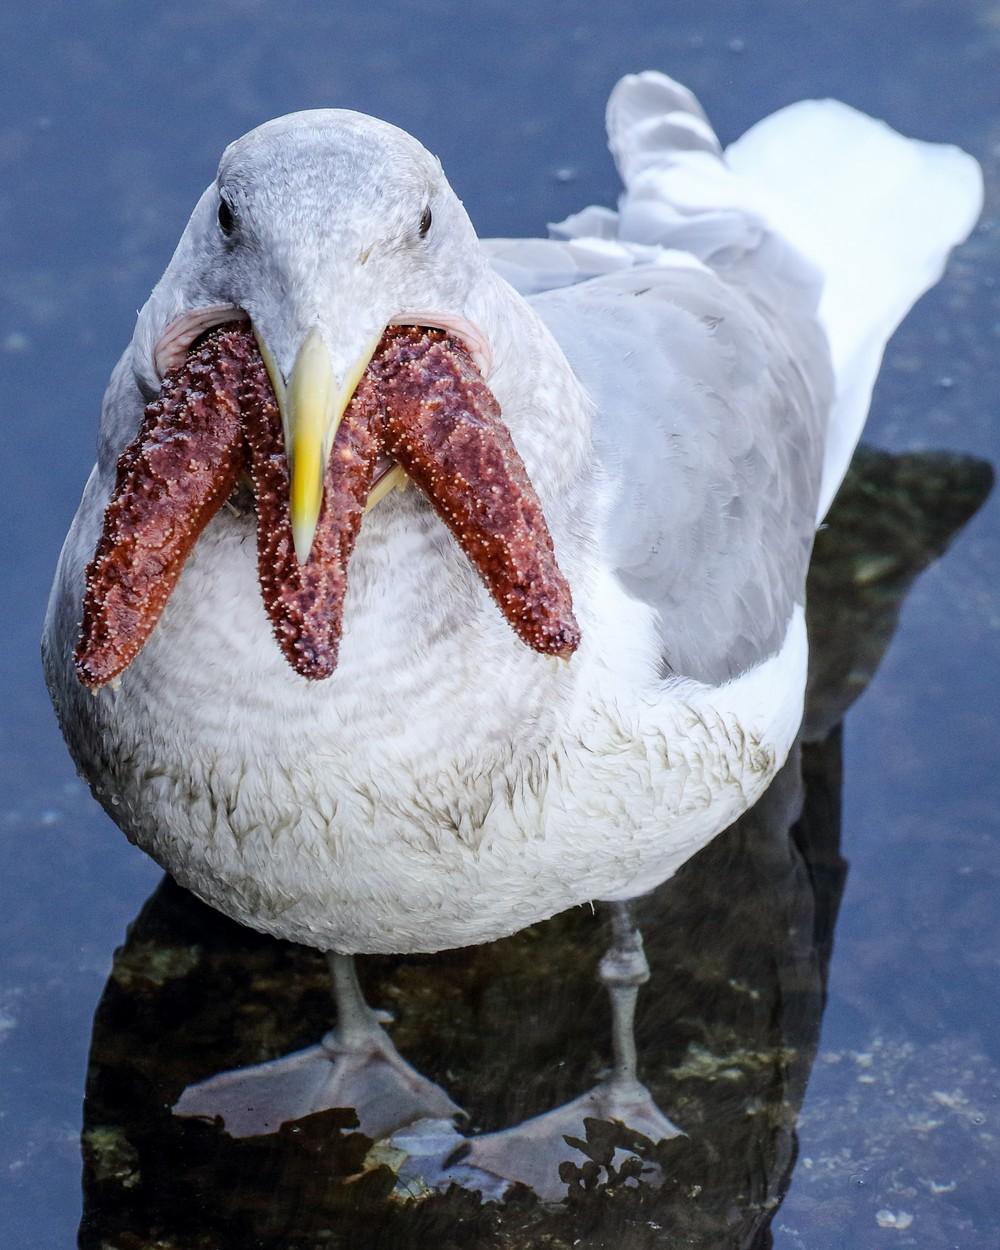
(312, 406)
(303, 533)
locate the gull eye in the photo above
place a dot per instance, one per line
(425, 221)
(227, 223)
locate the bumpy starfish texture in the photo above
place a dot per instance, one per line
(305, 602)
(421, 401)
(442, 424)
(172, 479)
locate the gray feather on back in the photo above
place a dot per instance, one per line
(711, 406)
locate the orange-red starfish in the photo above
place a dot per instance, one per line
(421, 401)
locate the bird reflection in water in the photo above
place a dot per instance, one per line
(726, 1030)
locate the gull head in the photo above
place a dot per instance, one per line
(323, 228)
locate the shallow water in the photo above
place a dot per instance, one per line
(114, 119)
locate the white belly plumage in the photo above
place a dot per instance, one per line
(401, 805)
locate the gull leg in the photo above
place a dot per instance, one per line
(531, 1152)
(623, 970)
(355, 1065)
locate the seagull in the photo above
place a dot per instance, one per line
(684, 381)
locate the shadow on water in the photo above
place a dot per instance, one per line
(727, 1029)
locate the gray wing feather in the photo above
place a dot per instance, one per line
(711, 390)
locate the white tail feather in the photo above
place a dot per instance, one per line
(878, 214)
(873, 213)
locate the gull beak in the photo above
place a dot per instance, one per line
(312, 405)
